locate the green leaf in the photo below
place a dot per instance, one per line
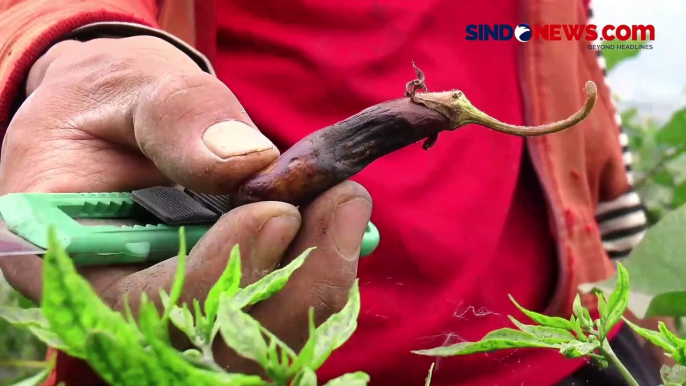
(277, 362)
(270, 284)
(618, 301)
(601, 304)
(337, 329)
(202, 325)
(228, 283)
(505, 338)
(51, 339)
(657, 269)
(543, 320)
(177, 284)
(673, 339)
(241, 332)
(351, 379)
(664, 178)
(193, 355)
(71, 306)
(306, 377)
(18, 316)
(182, 318)
(674, 132)
(306, 354)
(668, 304)
(150, 323)
(428, 377)
(582, 313)
(577, 328)
(679, 194)
(674, 375)
(545, 334)
(615, 56)
(123, 364)
(653, 337)
(37, 379)
(576, 349)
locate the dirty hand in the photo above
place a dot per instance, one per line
(121, 114)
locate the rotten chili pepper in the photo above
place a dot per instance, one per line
(333, 154)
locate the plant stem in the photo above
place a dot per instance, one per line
(24, 363)
(607, 352)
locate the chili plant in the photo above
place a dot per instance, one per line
(125, 350)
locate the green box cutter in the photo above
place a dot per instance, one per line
(105, 228)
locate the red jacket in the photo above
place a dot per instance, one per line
(581, 171)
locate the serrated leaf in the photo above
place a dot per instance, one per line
(545, 334)
(653, 337)
(123, 364)
(673, 339)
(618, 301)
(71, 306)
(673, 375)
(543, 320)
(577, 349)
(228, 283)
(179, 277)
(505, 338)
(306, 377)
(241, 332)
(336, 330)
(427, 382)
(22, 317)
(351, 379)
(270, 284)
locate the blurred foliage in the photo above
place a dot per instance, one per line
(21, 354)
(659, 156)
(658, 161)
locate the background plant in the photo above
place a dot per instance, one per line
(126, 350)
(658, 147)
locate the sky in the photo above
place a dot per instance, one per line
(655, 81)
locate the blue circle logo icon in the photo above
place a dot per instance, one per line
(523, 33)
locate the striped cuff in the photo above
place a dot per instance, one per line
(623, 221)
(125, 30)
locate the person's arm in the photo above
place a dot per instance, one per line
(29, 27)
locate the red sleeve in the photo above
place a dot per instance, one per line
(28, 28)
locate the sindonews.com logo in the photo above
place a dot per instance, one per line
(588, 32)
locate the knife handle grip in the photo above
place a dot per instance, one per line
(100, 241)
(29, 215)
